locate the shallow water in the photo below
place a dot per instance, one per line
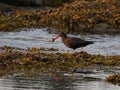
(103, 44)
(65, 81)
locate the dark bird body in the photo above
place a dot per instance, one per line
(72, 42)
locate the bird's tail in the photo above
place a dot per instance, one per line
(90, 42)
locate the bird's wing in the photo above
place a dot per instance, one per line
(74, 41)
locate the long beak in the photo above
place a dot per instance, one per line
(56, 37)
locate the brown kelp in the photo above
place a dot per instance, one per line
(114, 79)
(34, 59)
(78, 16)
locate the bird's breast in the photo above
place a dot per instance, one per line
(66, 43)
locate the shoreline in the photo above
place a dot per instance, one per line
(72, 17)
(33, 58)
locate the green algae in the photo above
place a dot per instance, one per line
(30, 60)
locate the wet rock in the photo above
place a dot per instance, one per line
(82, 71)
(52, 3)
(21, 2)
(45, 59)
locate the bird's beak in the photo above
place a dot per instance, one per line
(56, 37)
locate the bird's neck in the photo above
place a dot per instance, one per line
(63, 37)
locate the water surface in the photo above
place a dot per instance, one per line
(103, 44)
(66, 81)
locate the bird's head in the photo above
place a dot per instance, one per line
(61, 34)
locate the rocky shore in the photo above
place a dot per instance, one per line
(79, 16)
(91, 16)
(12, 60)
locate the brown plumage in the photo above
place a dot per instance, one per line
(72, 42)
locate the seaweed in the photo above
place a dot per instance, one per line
(33, 59)
(114, 79)
(93, 16)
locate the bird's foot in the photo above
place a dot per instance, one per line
(74, 53)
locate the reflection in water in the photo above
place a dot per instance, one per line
(47, 82)
(41, 82)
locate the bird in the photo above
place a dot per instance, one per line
(72, 42)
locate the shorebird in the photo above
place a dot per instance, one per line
(72, 42)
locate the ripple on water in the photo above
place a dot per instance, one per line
(45, 81)
(103, 44)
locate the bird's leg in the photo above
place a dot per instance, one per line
(74, 51)
(81, 49)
